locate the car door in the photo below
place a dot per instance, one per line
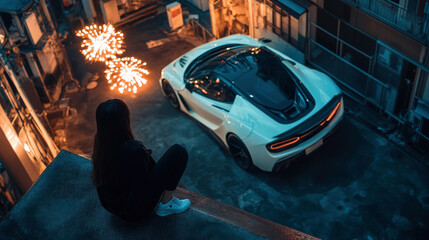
(209, 98)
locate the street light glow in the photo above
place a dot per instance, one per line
(126, 74)
(101, 43)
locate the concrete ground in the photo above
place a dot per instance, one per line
(63, 204)
(357, 186)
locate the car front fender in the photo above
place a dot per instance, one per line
(171, 74)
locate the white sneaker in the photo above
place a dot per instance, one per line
(175, 205)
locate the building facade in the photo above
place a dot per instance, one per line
(118, 12)
(378, 53)
(34, 68)
(34, 51)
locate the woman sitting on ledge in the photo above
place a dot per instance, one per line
(130, 184)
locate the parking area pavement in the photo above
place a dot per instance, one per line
(356, 186)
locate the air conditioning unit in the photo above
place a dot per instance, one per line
(174, 14)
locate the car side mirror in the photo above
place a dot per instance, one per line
(264, 40)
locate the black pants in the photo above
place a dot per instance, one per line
(165, 176)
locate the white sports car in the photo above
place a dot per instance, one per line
(262, 105)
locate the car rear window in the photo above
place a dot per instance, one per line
(261, 75)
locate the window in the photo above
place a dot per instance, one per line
(7, 19)
(33, 27)
(7, 106)
(294, 28)
(27, 66)
(277, 22)
(212, 87)
(269, 18)
(280, 21)
(36, 59)
(285, 26)
(423, 89)
(4, 102)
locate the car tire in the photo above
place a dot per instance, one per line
(240, 153)
(170, 94)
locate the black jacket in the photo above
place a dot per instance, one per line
(123, 194)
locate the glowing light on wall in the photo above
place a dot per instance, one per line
(126, 74)
(26, 147)
(101, 43)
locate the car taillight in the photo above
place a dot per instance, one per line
(333, 112)
(283, 144)
(280, 145)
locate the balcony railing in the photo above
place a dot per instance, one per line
(394, 14)
(199, 30)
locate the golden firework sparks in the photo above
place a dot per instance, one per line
(126, 74)
(101, 43)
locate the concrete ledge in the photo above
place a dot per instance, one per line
(237, 217)
(63, 204)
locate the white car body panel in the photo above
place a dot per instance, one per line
(266, 160)
(255, 128)
(203, 108)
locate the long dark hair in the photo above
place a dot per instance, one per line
(113, 128)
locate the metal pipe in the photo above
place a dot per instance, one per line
(52, 147)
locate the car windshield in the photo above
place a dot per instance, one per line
(261, 75)
(210, 60)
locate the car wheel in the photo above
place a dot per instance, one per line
(240, 153)
(169, 94)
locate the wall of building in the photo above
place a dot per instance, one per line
(386, 34)
(30, 52)
(373, 60)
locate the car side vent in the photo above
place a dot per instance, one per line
(292, 112)
(183, 60)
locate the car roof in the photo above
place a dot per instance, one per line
(255, 72)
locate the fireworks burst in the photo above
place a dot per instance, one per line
(101, 43)
(126, 74)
